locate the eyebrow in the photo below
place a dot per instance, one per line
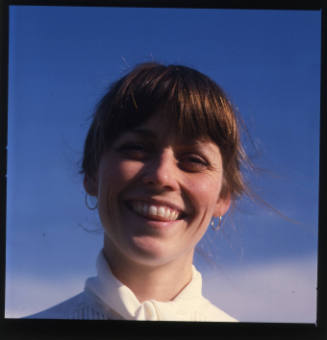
(149, 134)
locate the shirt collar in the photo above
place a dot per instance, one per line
(118, 297)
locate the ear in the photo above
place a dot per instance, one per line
(222, 206)
(90, 185)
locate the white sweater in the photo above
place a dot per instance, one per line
(106, 298)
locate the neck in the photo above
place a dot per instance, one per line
(161, 283)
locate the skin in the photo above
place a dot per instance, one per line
(151, 254)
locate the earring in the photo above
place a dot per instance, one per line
(87, 203)
(216, 227)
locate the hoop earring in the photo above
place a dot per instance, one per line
(87, 203)
(218, 226)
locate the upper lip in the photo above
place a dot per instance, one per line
(158, 202)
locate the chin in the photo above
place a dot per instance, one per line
(151, 252)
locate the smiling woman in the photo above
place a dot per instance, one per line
(162, 158)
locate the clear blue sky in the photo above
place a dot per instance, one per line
(62, 59)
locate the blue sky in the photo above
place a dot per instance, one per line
(62, 60)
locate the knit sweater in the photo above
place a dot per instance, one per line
(106, 298)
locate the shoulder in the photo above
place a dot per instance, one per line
(209, 312)
(62, 310)
(81, 307)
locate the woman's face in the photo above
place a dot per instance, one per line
(157, 193)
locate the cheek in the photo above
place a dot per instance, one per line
(206, 192)
(114, 178)
(119, 174)
(126, 171)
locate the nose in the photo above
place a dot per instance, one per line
(162, 171)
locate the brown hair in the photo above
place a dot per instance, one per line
(192, 103)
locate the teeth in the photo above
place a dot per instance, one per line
(163, 212)
(153, 210)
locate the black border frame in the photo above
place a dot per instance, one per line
(84, 329)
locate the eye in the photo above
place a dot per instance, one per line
(193, 163)
(135, 150)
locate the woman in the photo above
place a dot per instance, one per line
(162, 158)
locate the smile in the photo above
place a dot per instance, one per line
(158, 212)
